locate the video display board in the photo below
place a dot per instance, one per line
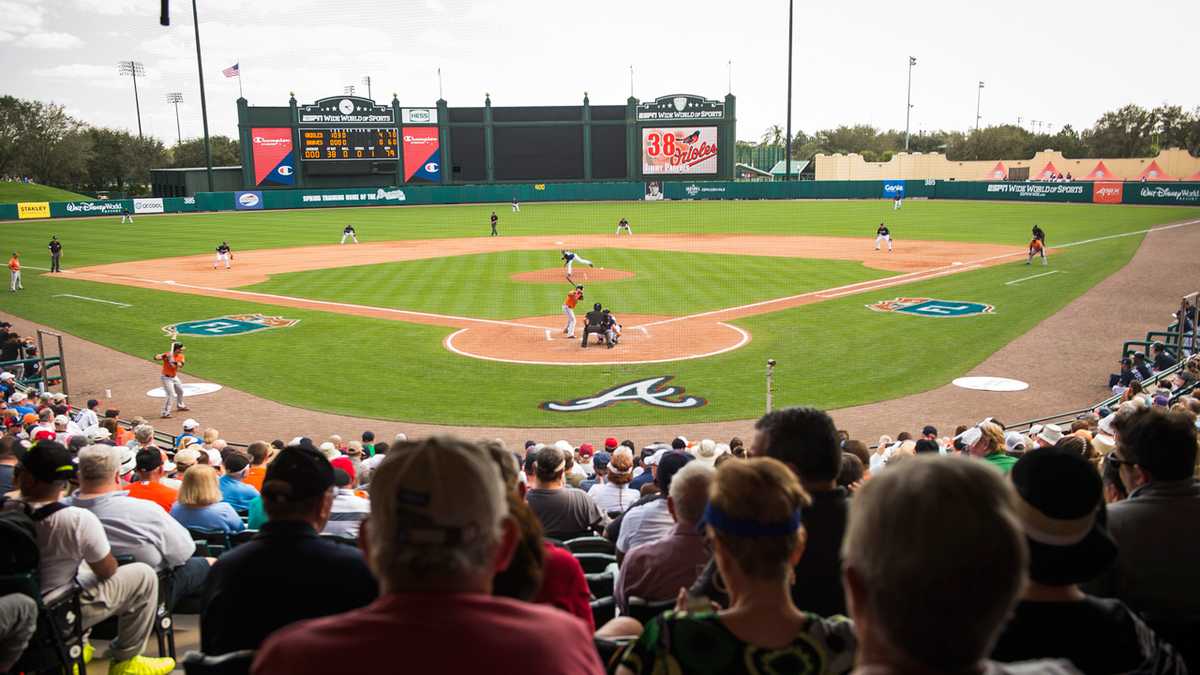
(335, 143)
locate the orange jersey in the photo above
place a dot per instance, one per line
(1036, 245)
(14, 264)
(171, 363)
(573, 298)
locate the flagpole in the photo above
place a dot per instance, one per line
(239, 67)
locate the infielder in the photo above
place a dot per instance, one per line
(224, 255)
(172, 362)
(881, 235)
(516, 206)
(55, 247)
(348, 231)
(572, 299)
(623, 224)
(570, 258)
(126, 216)
(495, 221)
(14, 273)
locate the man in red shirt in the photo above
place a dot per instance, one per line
(573, 299)
(439, 531)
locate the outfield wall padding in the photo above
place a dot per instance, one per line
(1176, 194)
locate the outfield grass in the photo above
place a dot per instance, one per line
(831, 354)
(11, 192)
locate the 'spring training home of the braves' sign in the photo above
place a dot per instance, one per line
(649, 391)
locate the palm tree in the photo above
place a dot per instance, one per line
(773, 135)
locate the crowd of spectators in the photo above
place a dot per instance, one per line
(1060, 548)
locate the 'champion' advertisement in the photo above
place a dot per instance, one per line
(274, 161)
(422, 155)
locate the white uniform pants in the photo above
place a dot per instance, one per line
(14, 280)
(351, 235)
(516, 207)
(221, 258)
(896, 204)
(126, 218)
(577, 259)
(570, 329)
(882, 238)
(1041, 253)
(626, 228)
(173, 388)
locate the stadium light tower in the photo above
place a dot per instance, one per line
(135, 70)
(912, 61)
(787, 153)
(349, 90)
(176, 97)
(203, 104)
(367, 81)
(978, 100)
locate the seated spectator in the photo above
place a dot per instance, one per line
(1048, 436)
(439, 530)
(914, 609)
(986, 441)
(137, 527)
(1120, 381)
(143, 438)
(8, 463)
(190, 429)
(658, 570)
(184, 460)
(583, 460)
(600, 466)
(1161, 358)
(852, 469)
(87, 418)
(258, 452)
(651, 520)
(805, 439)
(1061, 506)
(149, 480)
(1141, 369)
(1157, 528)
(199, 505)
(613, 496)
(286, 573)
(233, 488)
(753, 519)
(68, 537)
(564, 513)
(348, 511)
(18, 622)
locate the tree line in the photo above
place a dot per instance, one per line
(40, 141)
(1130, 131)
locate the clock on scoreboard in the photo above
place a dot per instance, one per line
(335, 143)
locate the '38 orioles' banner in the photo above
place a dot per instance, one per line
(679, 150)
(274, 162)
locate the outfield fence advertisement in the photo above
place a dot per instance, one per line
(149, 205)
(676, 150)
(1173, 194)
(1106, 193)
(104, 208)
(274, 158)
(893, 189)
(26, 210)
(250, 200)
(422, 155)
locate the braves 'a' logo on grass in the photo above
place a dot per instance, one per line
(646, 391)
(932, 307)
(230, 324)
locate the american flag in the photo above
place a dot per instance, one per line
(232, 71)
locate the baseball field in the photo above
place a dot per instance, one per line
(429, 319)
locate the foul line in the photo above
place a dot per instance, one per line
(874, 284)
(1043, 274)
(448, 343)
(84, 297)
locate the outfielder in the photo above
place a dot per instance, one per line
(348, 231)
(495, 221)
(224, 255)
(172, 362)
(883, 234)
(14, 273)
(898, 202)
(572, 299)
(126, 216)
(516, 206)
(623, 224)
(570, 258)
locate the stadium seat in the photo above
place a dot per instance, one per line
(609, 649)
(340, 539)
(233, 663)
(590, 545)
(595, 563)
(242, 537)
(210, 544)
(643, 610)
(164, 617)
(604, 610)
(601, 584)
(57, 644)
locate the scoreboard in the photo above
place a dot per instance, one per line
(336, 143)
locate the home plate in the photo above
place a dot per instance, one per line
(189, 389)
(991, 384)
(558, 243)
(956, 263)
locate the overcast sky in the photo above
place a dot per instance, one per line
(1063, 62)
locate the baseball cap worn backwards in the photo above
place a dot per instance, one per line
(298, 473)
(49, 461)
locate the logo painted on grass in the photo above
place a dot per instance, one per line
(932, 307)
(230, 324)
(646, 391)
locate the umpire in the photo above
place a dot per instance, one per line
(597, 323)
(55, 254)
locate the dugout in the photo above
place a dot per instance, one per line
(352, 141)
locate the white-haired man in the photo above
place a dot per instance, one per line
(914, 608)
(438, 533)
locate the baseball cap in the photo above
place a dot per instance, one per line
(610, 443)
(341, 478)
(587, 450)
(1061, 505)
(298, 473)
(128, 457)
(49, 461)
(438, 494)
(655, 458)
(43, 435)
(29, 418)
(7, 376)
(345, 464)
(1014, 440)
(706, 451)
(190, 424)
(186, 458)
(149, 460)
(929, 430)
(1051, 433)
(600, 460)
(235, 462)
(98, 434)
(668, 465)
(61, 419)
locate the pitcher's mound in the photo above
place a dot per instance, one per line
(581, 275)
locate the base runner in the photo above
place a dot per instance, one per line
(623, 224)
(883, 234)
(348, 231)
(172, 363)
(1038, 245)
(224, 255)
(569, 303)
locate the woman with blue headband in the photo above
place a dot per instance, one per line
(754, 521)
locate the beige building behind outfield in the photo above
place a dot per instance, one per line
(1170, 164)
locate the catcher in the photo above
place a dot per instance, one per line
(612, 329)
